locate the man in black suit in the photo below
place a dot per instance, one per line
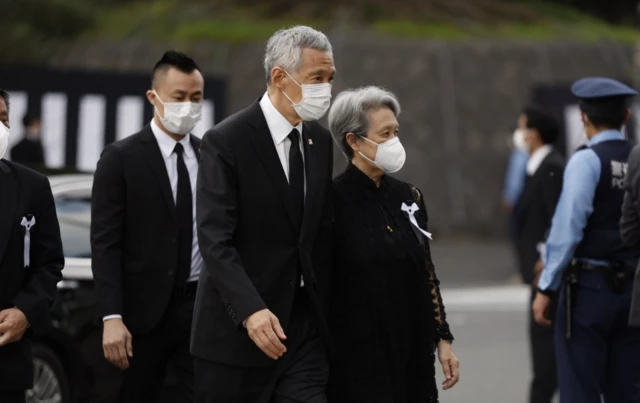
(630, 225)
(264, 225)
(146, 260)
(29, 151)
(535, 210)
(31, 262)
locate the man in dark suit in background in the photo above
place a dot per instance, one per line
(29, 151)
(264, 224)
(630, 226)
(31, 262)
(145, 255)
(535, 209)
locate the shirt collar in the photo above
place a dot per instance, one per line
(606, 135)
(167, 144)
(537, 157)
(279, 126)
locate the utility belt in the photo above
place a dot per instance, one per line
(616, 274)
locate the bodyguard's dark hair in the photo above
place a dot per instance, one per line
(5, 95)
(543, 122)
(29, 119)
(176, 60)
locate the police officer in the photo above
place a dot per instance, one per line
(587, 263)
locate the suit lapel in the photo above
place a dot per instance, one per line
(266, 150)
(530, 189)
(195, 143)
(312, 181)
(8, 203)
(152, 151)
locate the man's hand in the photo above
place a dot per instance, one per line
(450, 364)
(116, 343)
(265, 330)
(13, 325)
(541, 309)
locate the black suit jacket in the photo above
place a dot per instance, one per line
(250, 245)
(134, 231)
(630, 225)
(535, 211)
(31, 289)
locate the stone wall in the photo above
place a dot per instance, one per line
(460, 102)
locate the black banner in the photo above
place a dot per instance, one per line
(82, 111)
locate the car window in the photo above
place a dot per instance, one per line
(74, 215)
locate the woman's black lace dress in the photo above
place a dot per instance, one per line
(386, 311)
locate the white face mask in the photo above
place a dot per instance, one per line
(518, 141)
(390, 156)
(315, 102)
(180, 117)
(4, 139)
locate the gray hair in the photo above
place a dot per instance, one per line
(284, 48)
(350, 113)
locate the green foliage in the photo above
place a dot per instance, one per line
(33, 28)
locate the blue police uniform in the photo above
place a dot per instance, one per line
(596, 350)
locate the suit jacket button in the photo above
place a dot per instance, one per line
(170, 272)
(290, 284)
(174, 240)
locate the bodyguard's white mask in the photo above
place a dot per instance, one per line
(390, 156)
(518, 141)
(4, 139)
(180, 117)
(315, 101)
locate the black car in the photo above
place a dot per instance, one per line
(68, 359)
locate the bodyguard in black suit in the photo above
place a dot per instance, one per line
(630, 226)
(31, 262)
(145, 255)
(535, 211)
(264, 224)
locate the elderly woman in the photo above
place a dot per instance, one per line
(387, 315)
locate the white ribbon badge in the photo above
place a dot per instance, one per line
(411, 210)
(27, 224)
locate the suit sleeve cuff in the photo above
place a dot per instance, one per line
(106, 318)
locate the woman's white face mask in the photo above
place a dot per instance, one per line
(390, 156)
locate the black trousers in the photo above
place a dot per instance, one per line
(143, 381)
(300, 376)
(12, 396)
(543, 355)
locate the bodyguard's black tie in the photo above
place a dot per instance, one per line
(184, 212)
(296, 176)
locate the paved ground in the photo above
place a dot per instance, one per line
(488, 316)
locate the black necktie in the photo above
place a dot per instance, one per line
(296, 176)
(184, 211)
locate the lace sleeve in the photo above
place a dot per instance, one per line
(442, 327)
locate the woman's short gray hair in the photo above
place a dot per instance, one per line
(350, 113)
(284, 48)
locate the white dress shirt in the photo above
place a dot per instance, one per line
(167, 144)
(535, 160)
(280, 129)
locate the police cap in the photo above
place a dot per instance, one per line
(603, 98)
